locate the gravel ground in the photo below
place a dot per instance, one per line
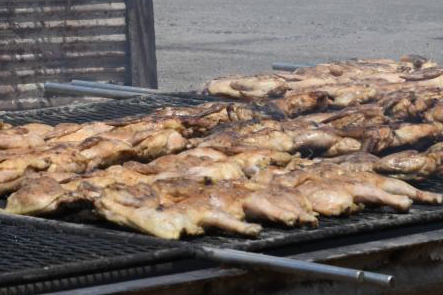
(201, 39)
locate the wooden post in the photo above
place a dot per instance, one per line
(141, 33)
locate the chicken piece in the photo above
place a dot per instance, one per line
(59, 158)
(376, 139)
(158, 143)
(115, 174)
(15, 184)
(244, 199)
(294, 104)
(16, 167)
(355, 162)
(283, 177)
(232, 142)
(19, 138)
(348, 95)
(61, 130)
(38, 196)
(365, 188)
(313, 138)
(368, 188)
(280, 204)
(125, 136)
(205, 154)
(398, 187)
(434, 114)
(389, 185)
(4, 126)
(252, 87)
(406, 105)
(38, 129)
(189, 216)
(146, 123)
(139, 208)
(416, 62)
(102, 153)
(215, 171)
(64, 158)
(423, 74)
(407, 165)
(253, 161)
(202, 164)
(307, 82)
(329, 197)
(344, 146)
(435, 153)
(361, 116)
(71, 133)
(413, 133)
(344, 95)
(190, 167)
(222, 112)
(315, 118)
(434, 82)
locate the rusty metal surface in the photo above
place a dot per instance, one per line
(59, 40)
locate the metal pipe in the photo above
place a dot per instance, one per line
(379, 279)
(114, 87)
(280, 264)
(81, 90)
(289, 67)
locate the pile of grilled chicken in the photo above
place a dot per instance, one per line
(327, 140)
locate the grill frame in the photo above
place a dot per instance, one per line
(180, 253)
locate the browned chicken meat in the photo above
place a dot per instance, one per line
(61, 158)
(332, 193)
(389, 185)
(77, 133)
(377, 139)
(221, 165)
(294, 104)
(142, 209)
(39, 196)
(250, 88)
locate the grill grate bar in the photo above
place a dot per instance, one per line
(36, 249)
(105, 111)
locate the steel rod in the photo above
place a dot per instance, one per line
(82, 90)
(280, 264)
(114, 87)
(379, 279)
(289, 67)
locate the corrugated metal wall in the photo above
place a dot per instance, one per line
(59, 40)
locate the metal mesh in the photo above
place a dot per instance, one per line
(329, 227)
(369, 220)
(104, 111)
(33, 250)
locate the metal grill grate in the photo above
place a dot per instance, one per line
(370, 220)
(103, 111)
(36, 252)
(33, 249)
